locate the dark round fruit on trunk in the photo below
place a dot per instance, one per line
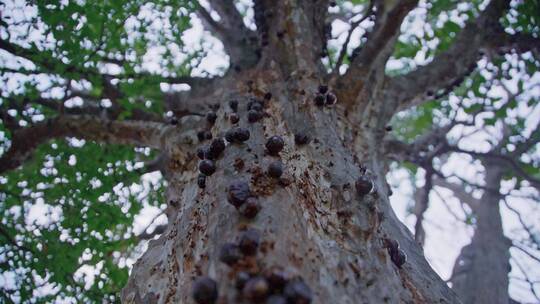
(207, 167)
(174, 121)
(268, 96)
(256, 289)
(211, 117)
(229, 135)
(255, 105)
(249, 242)
(202, 152)
(277, 278)
(274, 145)
(297, 292)
(331, 99)
(319, 100)
(205, 290)
(363, 185)
(234, 105)
(392, 245)
(241, 134)
(238, 192)
(241, 278)
(201, 181)
(388, 128)
(204, 135)
(230, 254)
(276, 299)
(250, 208)
(237, 135)
(301, 138)
(234, 118)
(254, 116)
(323, 89)
(216, 148)
(275, 169)
(200, 136)
(398, 257)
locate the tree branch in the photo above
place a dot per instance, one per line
(449, 68)
(421, 206)
(239, 41)
(372, 56)
(507, 161)
(24, 141)
(353, 26)
(458, 191)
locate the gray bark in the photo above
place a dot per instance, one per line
(318, 227)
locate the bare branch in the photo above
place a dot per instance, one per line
(525, 251)
(458, 190)
(508, 161)
(24, 141)
(527, 279)
(353, 26)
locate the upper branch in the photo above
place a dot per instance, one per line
(449, 68)
(239, 41)
(24, 141)
(372, 56)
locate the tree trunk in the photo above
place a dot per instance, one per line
(488, 252)
(313, 223)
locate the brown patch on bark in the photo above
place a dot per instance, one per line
(261, 184)
(416, 295)
(238, 164)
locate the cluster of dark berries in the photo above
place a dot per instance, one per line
(237, 135)
(397, 255)
(232, 253)
(275, 285)
(239, 195)
(203, 135)
(208, 155)
(255, 110)
(204, 290)
(274, 145)
(324, 97)
(363, 185)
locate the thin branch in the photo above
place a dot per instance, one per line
(449, 68)
(526, 227)
(522, 249)
(527, 279)
(353, 26)
(371, 57)
(421, 206)
(510, 163)
(240, 42)
(458, 191)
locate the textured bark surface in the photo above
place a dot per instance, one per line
(317, 226)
